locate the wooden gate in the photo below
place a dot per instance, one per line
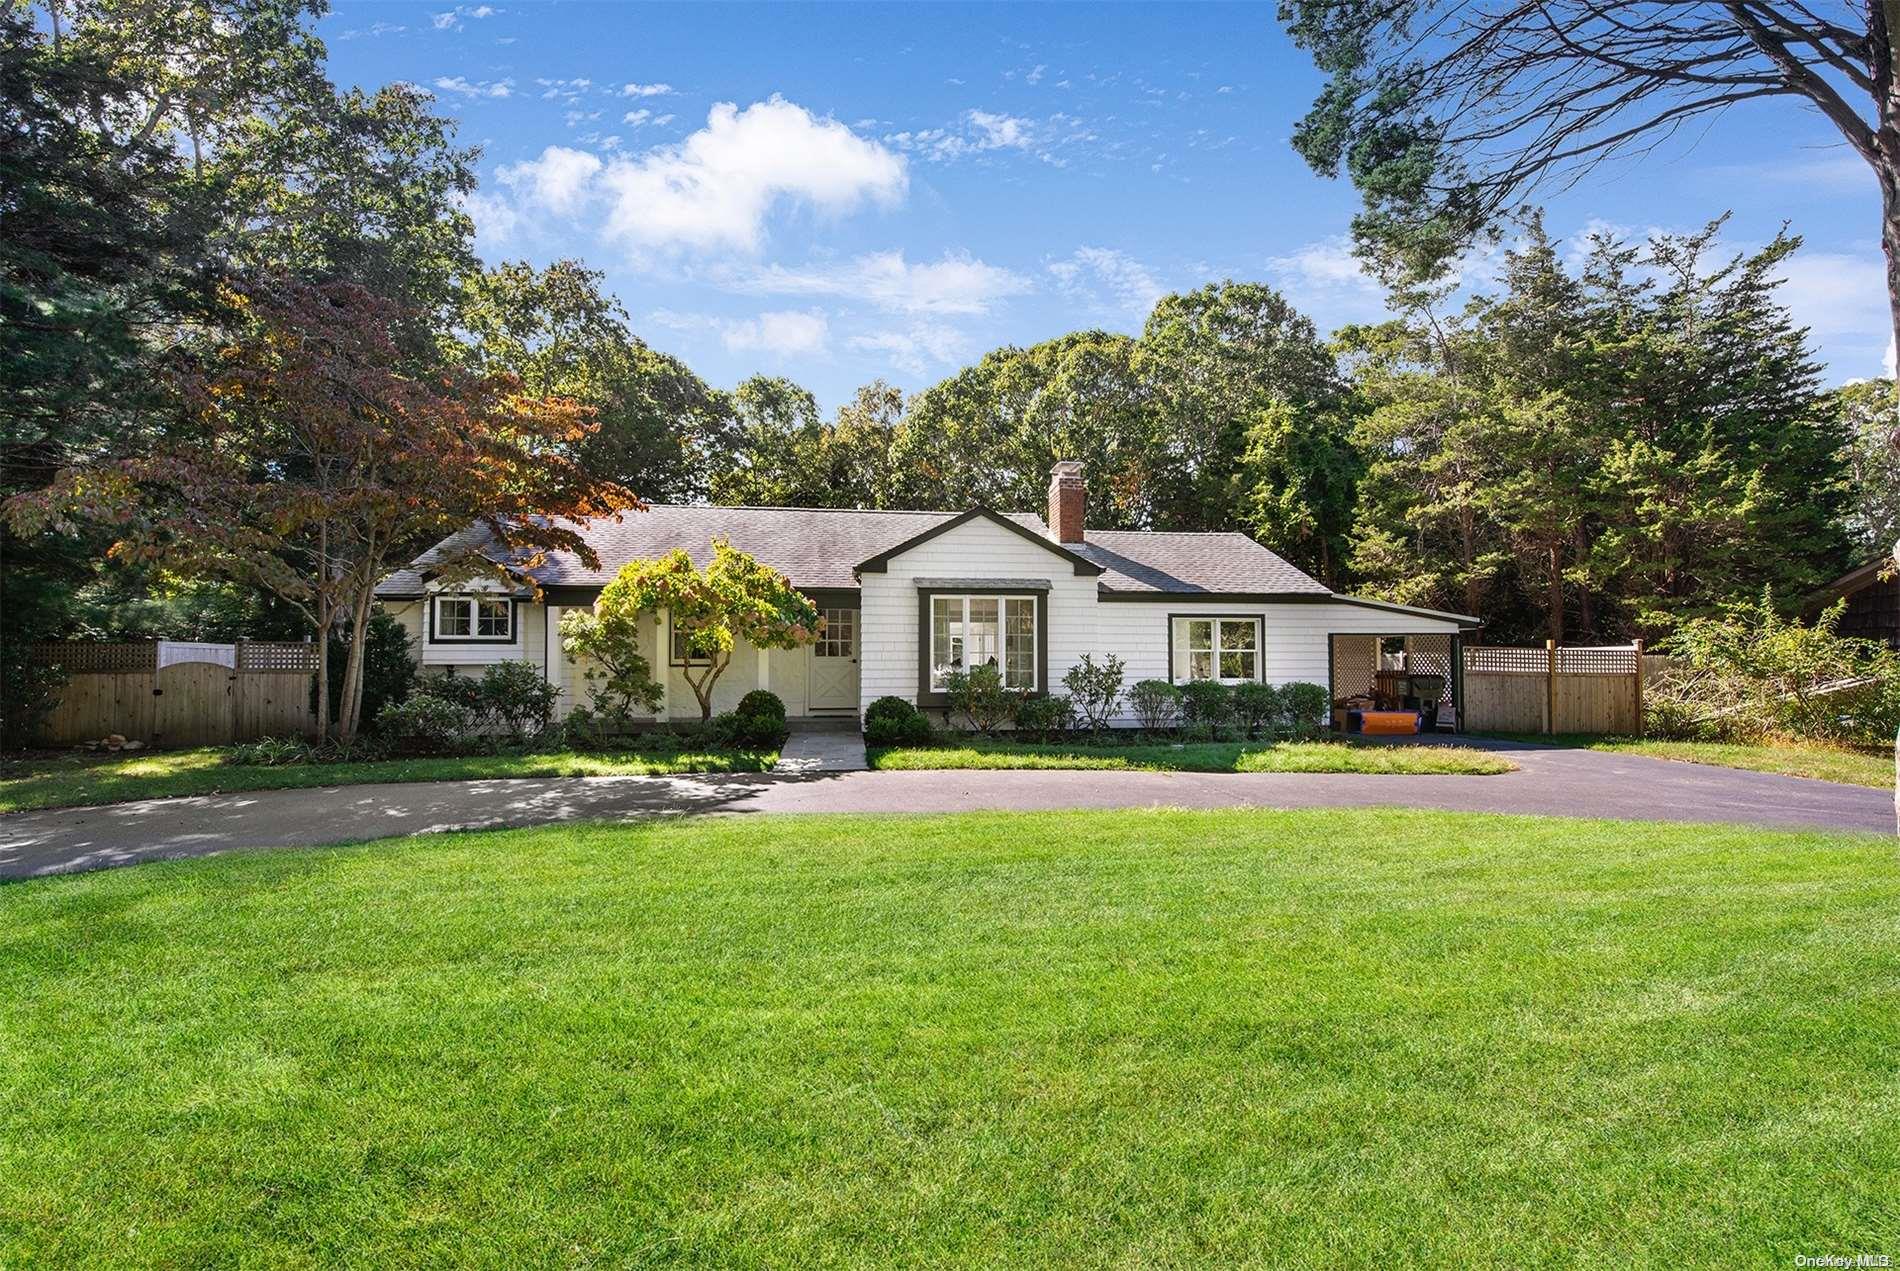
(193, 705)
(165, 694)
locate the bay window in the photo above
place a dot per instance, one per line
(1224, 649)
(973, 631)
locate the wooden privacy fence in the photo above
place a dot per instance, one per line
(1554, 690)
(180, 693)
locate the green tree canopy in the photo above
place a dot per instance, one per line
(712, 609)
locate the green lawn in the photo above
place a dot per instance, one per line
(1872, 767)
(1324, 1038)
(1217, 756)
(80, 780)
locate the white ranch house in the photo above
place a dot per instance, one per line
(909, 595)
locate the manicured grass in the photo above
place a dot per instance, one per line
(81, 780)
(1216, 756)
(1352, 1038)
(1872, 767)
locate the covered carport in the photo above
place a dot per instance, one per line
(1417, 665)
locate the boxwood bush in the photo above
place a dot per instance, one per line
(892, 721)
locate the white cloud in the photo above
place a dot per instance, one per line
(916, 350)
(646, 90)
(1108, 280)
(453, 19)
(975, 132)
(1035, 75)
(496, 219)
(1842, 298)
(561, 180)
(785, 333)
(636, 117)
(563, 89)
(715, 188)
(782, 333)
(474, 88)
(374, 29)
(1326, 265)
(956, 283)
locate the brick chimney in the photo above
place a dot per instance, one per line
(1067, 494)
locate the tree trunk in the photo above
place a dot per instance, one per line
(1889, 172)
(1883, 59)
(1467, 534)
(353, 672)
(1557, 593)
(323, 619)
(703, 689)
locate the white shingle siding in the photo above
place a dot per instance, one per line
(976, 548)
(1294, 633)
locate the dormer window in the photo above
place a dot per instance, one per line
(474, 618)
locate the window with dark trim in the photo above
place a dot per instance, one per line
(474, 618)
(973, 630)
(1213, 647)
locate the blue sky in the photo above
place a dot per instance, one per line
(842, 192)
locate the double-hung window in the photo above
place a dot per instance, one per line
(474, 618)
(1224, 649)
(972, 631)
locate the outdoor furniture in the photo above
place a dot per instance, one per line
(1388, 723)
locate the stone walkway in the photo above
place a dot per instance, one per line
(822, 751)
(1550, 782)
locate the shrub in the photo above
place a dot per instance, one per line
(362, 748)
(758, 722)
(607, 645)
(271, 752)
(1207, 706)
(1303, 707)
(1751, 675)
(1156, 703)
(389, 667)
(762, 704)
(29, 692)
(428, 723)
(979, 695)
(1258, 706)
(1048, 717)
(892, 721)
(596, 728)
(1095, 691)
(461, 691)
(514, 695)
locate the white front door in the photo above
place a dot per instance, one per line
(834, 662)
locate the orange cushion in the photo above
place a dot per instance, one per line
(1388, 723)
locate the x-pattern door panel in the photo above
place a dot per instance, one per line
(834, 661)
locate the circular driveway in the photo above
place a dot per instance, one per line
(1549, 782)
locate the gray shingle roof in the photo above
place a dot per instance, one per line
(818, 548)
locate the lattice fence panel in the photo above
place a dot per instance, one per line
(1506, 660)
(266, 656)
(1604, 661)
(91, 657)
(1428, 655)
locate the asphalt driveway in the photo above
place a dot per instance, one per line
(1550, 782)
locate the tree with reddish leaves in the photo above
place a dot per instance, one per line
(310, 458)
